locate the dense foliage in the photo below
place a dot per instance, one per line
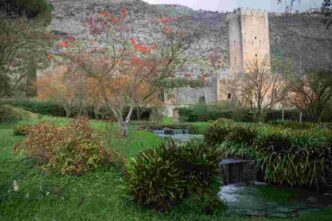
(21, 129)
(214, 112)
(41, 9)
(53, 109)
(11, 114)
(73, 149)
(161, 178)
(24, 46)
(287, 153)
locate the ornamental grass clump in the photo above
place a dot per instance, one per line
(218, 131)
(73, 149)
(162, 178)
(295, 158)
(285, 154)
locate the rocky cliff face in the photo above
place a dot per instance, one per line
(300, 38)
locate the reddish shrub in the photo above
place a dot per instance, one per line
(73, 149)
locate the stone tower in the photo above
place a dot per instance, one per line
(248, 31)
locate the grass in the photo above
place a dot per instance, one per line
(96, 195)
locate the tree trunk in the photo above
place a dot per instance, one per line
(124, 124)
(96, 111)
(138, 113)
(30, 88)
(68, 111)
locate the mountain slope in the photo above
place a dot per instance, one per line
(300, 38)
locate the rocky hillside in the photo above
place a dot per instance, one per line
(300, 38)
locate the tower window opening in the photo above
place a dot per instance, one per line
(255, 37)
(255, 55)
(229, 96)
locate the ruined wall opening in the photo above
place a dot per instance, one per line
(201, 100)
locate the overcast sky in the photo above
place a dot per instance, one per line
(229, 5)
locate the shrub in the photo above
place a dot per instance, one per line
(214, 112)
(11, 114)
(276, 115)
(74, 149)
(161, 178)
(41, 107)
(285, 155)
(21, 130)
(217, 132)
(242, 134)
(53, 109)
(155, 182)
(203, 113)
(198, 162)
(293, 158)
(32, 8)
(293, 125)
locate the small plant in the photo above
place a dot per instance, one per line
(155, 182)
(74, 149)
(161, 178)
(243, 134)
(218, 131)
(21, 130)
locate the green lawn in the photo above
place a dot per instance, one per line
(96, 195)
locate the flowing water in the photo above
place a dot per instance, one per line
(270, 201)
(178, 135)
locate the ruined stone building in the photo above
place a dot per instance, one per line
(248, 34)
(301, 38)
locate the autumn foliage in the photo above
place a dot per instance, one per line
(53, 86)
(73, 149)
(115, 70)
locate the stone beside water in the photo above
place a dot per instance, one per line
(235, 171)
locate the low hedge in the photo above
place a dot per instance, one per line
(53, 109)
(296, 157)
(12, 114)
(213, 112)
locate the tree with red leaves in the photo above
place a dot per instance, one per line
(125, 72)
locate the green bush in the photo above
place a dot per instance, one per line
(11, 114)
(216, 111)
(53, 109)
(203, 113)
(296, 157)
(242, 134)
(276, 115)
(21, 130)
(162, 178)
(217, 132)
(294, 124)
(32, 8)
(41, 107)
(73, 149)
